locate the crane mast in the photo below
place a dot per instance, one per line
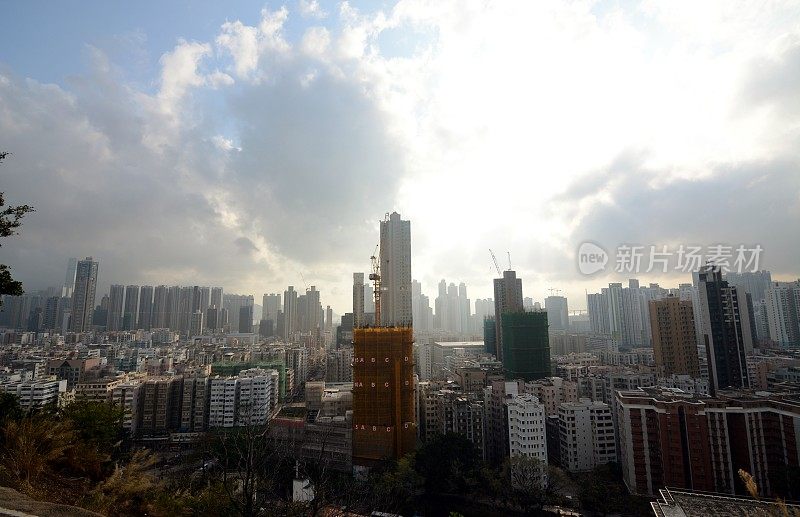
(494, 259)
(375, 277)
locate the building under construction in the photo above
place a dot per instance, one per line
(384, 420)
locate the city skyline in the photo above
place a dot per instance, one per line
(171, 127)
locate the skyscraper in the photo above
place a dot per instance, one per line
(246, 319)
(674, 341)
(395, 246)
(116, 297)
(131, 307)
(557, 312)
(146, 307)
(358, 300)
(271, 304)
(507, 298)
(289, 312)
(216, 297)
(83, 294)
(159, 318)
(69, 280)
(782, 301)
(727, 335)
(173, 307)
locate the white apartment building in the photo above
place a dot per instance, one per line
(586, 435)
(783, 312)
(526, 427)
(395, 256)
(37, 393)
(247, 399)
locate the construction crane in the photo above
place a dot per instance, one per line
(375, 277)
(304, 280)
(509, 260)
(494, 259)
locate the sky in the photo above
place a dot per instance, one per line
(257, 145)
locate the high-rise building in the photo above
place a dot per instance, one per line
(233, 303)
(116, 307)
(526, 429)
(597, 305)
(146, 307)
(671, 438)
(197, 324)
(384, 416)
(358, 299)
(369, 299)
(662, 443)
(246, 319)
(395, 251)
(69, 280)
(84, 294)
(159, 312)
(557, 312)
(216, 297)
(271, 304)
(586, 435)
(173, 307)
(727, 336)
(131, 308)
(525, 345)
(674, 341)
(782, 304)
(755, 283)
(507, 299)
(328, 319)
(290, 324)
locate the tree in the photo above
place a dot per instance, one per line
(449, 464)
(10, 220)
(10, 408)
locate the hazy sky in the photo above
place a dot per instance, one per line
(242, 144)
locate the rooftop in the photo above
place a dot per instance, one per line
(683, 503)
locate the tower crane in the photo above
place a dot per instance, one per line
(375, 277)
(494, 259)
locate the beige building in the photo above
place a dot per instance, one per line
(552, 391)
(674, 338)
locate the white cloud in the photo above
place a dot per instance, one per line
(179, 72)
(241, 41)
(311, 8)
(316, 41)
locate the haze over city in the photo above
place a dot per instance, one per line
(243, 145)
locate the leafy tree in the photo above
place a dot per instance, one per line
(10, 220)
(97, 423)
(10, 408)
(449, 463)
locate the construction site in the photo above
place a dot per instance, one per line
(384, 419)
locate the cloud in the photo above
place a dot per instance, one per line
(311, 8)
(524, 127)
